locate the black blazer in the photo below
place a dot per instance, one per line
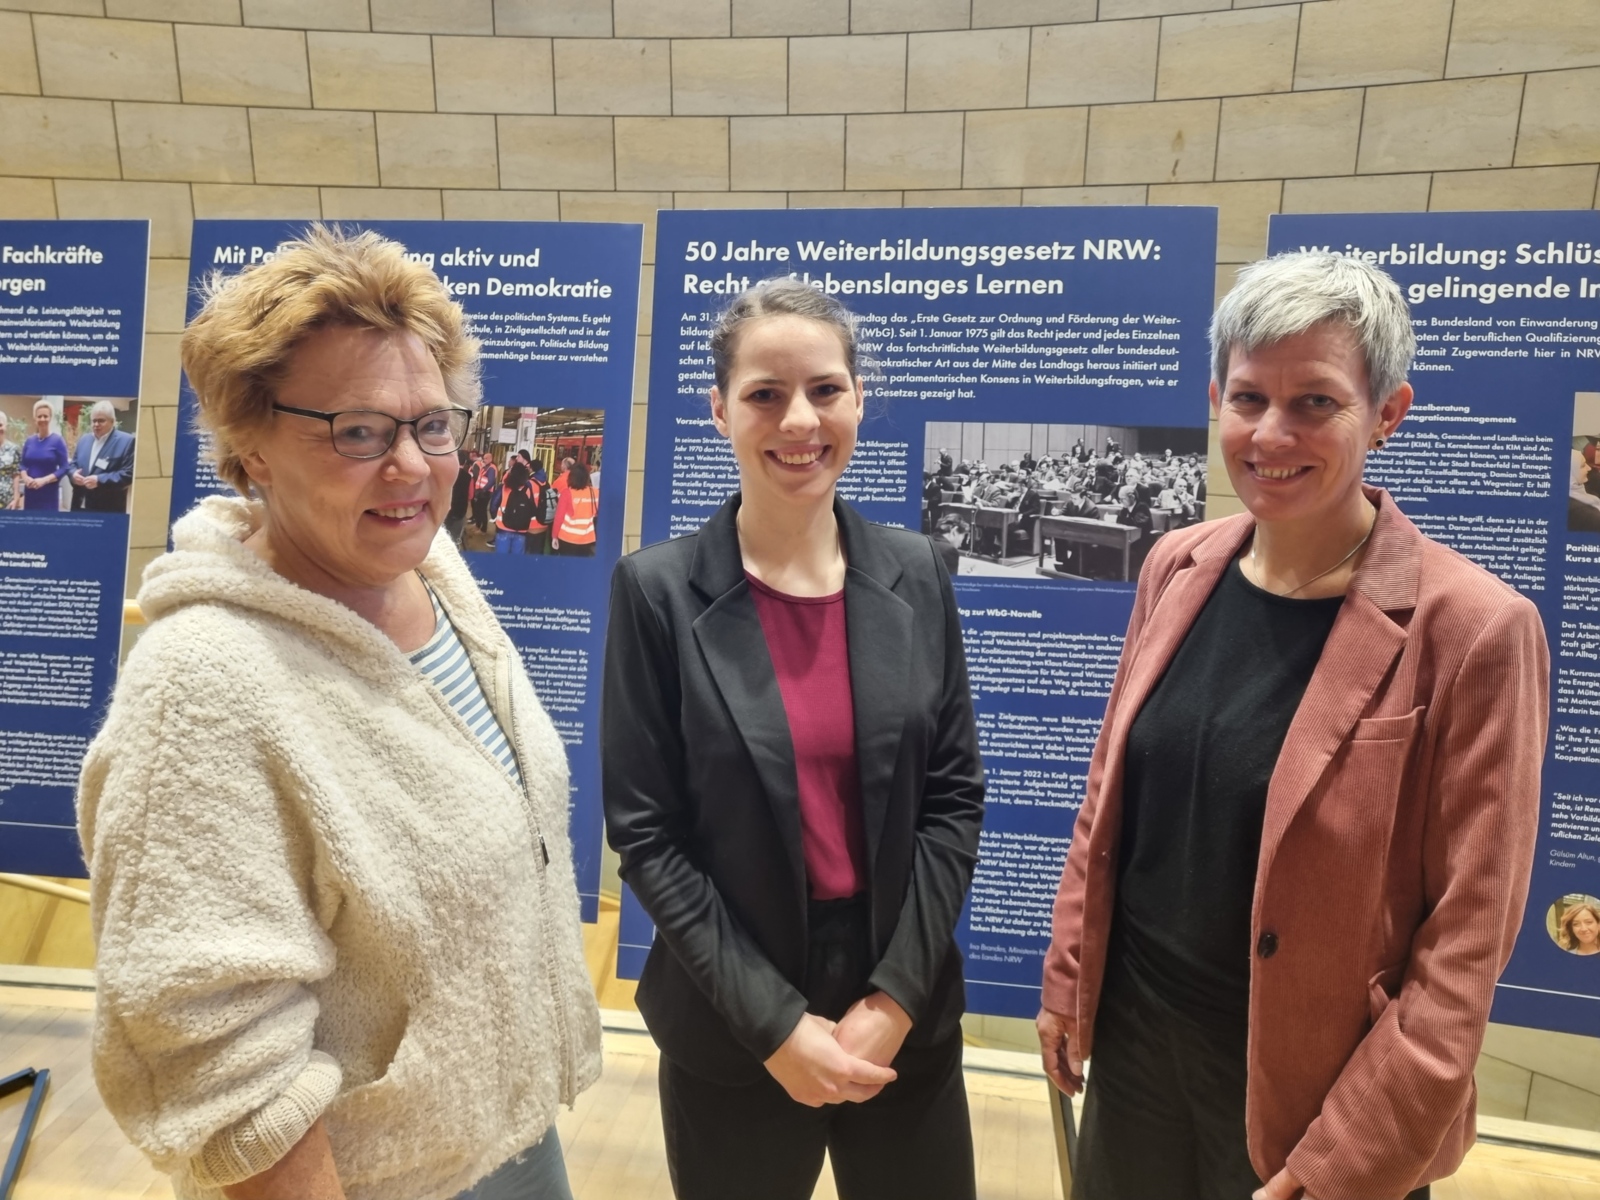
(702, 805)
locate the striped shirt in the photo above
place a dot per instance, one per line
(444, 661)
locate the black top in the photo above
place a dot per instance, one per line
(1200, 755)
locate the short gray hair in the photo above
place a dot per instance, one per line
(1288, 294)
(104, 406)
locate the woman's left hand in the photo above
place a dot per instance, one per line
(1282, 1186)
(873, 1029)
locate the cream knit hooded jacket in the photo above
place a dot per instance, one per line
(315, 893)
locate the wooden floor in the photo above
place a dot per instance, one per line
(612, 1138)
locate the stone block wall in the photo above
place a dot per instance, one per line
(593, 110)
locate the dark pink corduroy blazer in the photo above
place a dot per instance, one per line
(1395, 854)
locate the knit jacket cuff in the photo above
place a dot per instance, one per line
(254, 1143)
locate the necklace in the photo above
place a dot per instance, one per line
(1354, 550)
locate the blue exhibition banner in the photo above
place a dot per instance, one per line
(556, 309)
(1037, 405)
(72, 299)
(1495, 460)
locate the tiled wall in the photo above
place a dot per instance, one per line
(611, 109)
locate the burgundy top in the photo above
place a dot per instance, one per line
(811, 655)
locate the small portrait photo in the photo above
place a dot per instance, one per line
(1583, 491)
(1059, 501)
(529, 481)
(1573, 923)
(67, 453)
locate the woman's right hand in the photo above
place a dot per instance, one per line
(1058, 1046)
(815, 1070)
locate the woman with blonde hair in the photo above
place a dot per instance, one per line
(1578, 931)
(44, 462)
(326, 818)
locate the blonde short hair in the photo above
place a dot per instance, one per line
(240, 345)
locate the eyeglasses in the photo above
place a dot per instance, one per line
(362, 433)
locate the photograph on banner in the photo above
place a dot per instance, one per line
(993, 341)
(1009, 500)
(555, 310)
(71, 349)
(84, 443)
(1497, 459)
(528, 472)
(1573, 923)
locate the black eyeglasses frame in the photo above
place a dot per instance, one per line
(344, 412)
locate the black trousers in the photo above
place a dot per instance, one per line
(912, 1141)
(1163, 1117)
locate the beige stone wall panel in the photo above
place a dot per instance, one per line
(196, 142)
(1359, 193)
(730, 200)
(633, 207)
(1121, 193)
(167, 294)
(222, 64)
(553, 18)
(165, 420)
(70, 8)
(847, 74)
(321, 147)
(501, 206)
(842, 199)
(494, 75)
(672, 154)
(908, 16)
(1242, 212)
(965, 198)
(1560, 118)
(345, 15)
(46, 136)
(433, 16)
(786, 152)
(437, 150)
(27, 200)
(1272, 137)
(1172, 141)
(1450, 125)
(19, 69)
(555, 153)
(727, 76)
(1354, 43)
(624, 76)
(1519, 188)
(150, 504)
(1027, 147)
(167, 206)
(381, 204)
(987, 14)
(1490, 37)
(903, 150)
(1109, 63)
(256, 201)
(1211, 54)
(790, 18)
(208, 12)
(1117, 10)
(982, 68)
(671, 18)
(105, 60)
(160, 370)
(371, 70)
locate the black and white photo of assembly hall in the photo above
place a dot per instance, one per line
(1004, 498)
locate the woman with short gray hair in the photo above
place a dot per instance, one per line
(1304, 847)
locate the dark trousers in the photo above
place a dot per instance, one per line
(912, 1141)
(480, 510)
(1163, 1117)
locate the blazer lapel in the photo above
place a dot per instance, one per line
(879, 627)
(1361, 647)
(730, 637)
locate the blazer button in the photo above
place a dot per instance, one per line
(1267, 944)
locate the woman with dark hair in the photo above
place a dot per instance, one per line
(573, 533)
(791, 778)
(517, 511)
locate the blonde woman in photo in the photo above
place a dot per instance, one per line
(1578, 931)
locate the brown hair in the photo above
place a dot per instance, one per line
(1564, 934)
(239, 347)
(780, 297)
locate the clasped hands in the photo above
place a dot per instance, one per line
(826, 1062)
